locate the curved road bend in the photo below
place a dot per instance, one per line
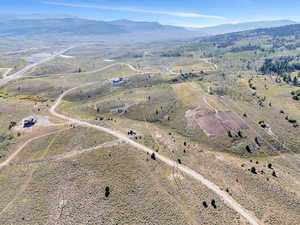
(20, 73)
(13, 155)
(228, 200)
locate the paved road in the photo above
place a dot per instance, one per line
(6, 72)
(229, 201)
(21, 72)
(88, 72)
(112, 65)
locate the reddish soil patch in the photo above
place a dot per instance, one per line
(219, 123)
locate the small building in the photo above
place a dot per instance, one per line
(29, 123)
(117, 81)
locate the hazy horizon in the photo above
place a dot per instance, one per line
(61, 16)
(186, 14)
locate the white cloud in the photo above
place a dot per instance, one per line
(162, 12)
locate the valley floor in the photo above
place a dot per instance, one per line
(151, 148)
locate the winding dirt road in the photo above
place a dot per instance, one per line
(228, 200)
(13, 155)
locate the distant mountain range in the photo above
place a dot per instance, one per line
(274, 32)
(230, 28)
(30, 26)
(34, 16)
(69, 28)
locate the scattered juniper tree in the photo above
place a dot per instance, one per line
(253, 170)
(213, 203)
(107, 191)
(153, 156)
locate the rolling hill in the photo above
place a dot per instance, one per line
(67, 28)
(229, 28)
(76, 28)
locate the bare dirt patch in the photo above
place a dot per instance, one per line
(66, 56)
(37, 57)
(41, 121)
(216, 124)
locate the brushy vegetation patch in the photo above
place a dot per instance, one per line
(155, 108)
(3, 95)
(296, 95)
(32, 98)
(5, 140)
(232, 93)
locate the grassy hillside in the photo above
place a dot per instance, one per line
(225, 107)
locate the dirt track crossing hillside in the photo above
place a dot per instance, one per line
(229, 201)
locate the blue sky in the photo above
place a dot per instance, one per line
(175, 12)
